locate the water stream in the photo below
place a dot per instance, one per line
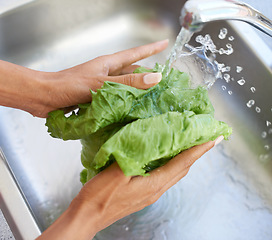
(200, 61)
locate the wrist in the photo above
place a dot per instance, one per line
(39, 101)
(22, 88)
(86, 218)
(77, 222)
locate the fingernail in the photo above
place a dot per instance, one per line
(152, 78)
(218, 140)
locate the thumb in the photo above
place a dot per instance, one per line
(138, 80)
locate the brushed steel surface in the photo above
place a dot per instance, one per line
(16, 219)
(227, 194)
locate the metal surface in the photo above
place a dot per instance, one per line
(16, 220)
(226, 195)
(196, 13)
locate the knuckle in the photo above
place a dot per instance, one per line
(189, 162)
(130, 79)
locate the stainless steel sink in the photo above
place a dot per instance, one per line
(226, 195)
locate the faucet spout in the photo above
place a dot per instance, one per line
(196, 13)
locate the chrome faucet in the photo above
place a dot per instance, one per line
(196, 13)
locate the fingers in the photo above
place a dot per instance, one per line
(129, 69)
(181, 162)
(187, 158)
(166, 176)
(137, 80)
(116, 62)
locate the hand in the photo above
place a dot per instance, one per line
(111, 195)
(71, 86)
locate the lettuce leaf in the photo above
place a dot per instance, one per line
(137, 145)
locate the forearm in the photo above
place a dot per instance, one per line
(21, 88)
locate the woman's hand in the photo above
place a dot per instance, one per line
(73, 84)
(110, 196)
(42, 92)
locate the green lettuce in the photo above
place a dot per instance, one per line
(140, 129)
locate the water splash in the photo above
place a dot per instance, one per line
(206, 69)
(223, 33)
(253, 89)
(239, 69)
(258, 110)
(250, 103)
(225, 69)
(227, 77)
(227, 51)
(264, 134)
(241, 82)
(231, 38)
(264, 158)
(266, 147)
(183, 37)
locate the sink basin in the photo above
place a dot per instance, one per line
(226, 195)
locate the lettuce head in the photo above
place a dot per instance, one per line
(140, 129)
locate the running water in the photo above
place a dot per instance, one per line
(198, 61)
(183, 38)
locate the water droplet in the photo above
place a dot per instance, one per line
(199, 38)
(227, 77)
(239, 69)
(206, 42)
(230, 92)
(223, 33)
(264, 134)
(221, 66)
(241, 81)
(264, 157)
(250, 103)
(224, 88)
(266, 147)
(228, 45)
(270, 131)
(230, 49)
(225, 69)
(231, 38)
(227, 52)
(268, 123)
(171, 108)
(258, 110)
(253, 89)
(221, 51)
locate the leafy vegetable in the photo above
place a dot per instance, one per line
(157, 138)
(140, 129)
